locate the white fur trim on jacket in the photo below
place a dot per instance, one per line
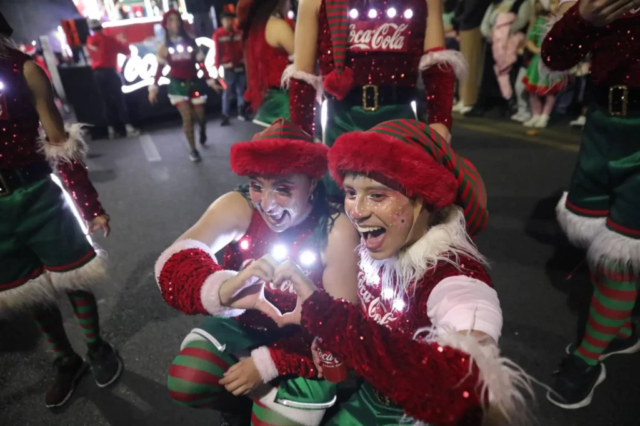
(306, 417)
(580, 230)
(73, 149)
(264, 363)
(35, 292)
(92, 273)
(445, 57)
(210, 297)
(615, 250)
(314, 80)
(509, 386)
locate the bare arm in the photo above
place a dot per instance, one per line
(306, 35)
(340, 276)
(280, 34)
(565, 6)
(40, 88)
(434, 36)
(532, 47)
(225, 221)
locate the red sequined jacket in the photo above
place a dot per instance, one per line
(615, 48)
(183, 272)
(377, 341)
(19, 135)
(185, 59)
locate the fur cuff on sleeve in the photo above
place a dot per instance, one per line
(292, 72)
(264, 363)
(210, 296)
(178, 246)
(445, 57)
(73, 149)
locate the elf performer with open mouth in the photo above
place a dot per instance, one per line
(282, 215)
(424, 337)
(600, 211)
(369, 61)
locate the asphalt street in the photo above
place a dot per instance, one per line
(153, 194)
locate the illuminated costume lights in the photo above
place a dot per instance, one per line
(600, 211)
(190, 280)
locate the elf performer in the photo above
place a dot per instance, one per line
(282, 215)
(268, 46)
(186, 89)
(43, 251)
(424, 337)
(600, 211)
(369, 60)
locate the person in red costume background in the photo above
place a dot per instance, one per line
(370, 59)
(424, 337)
(186, 90)
(43, 251)
(600, 211)
(283, 214)
(268, 46)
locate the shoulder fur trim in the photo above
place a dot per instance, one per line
(509, 387)
(73, 149)
(442, 243)
(445, 57)
(314, 80)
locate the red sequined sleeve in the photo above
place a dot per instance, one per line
(76, 178)
(569, 41)
(302, 104)
(292, 355)
(439, 81)
(445, 393)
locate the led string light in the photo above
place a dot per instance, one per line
(392, 12)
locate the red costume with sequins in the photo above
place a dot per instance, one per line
(35, 216)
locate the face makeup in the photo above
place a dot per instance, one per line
(283, 201)
(383, 216)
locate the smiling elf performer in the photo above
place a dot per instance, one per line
(600, 211)
(425, 335)
(369, 61)
(284, 212)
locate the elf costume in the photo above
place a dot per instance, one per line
(43, 252)
(189, 279)
(369, 61)
(600, 211)
(404, 337)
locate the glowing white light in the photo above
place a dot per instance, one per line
(387, 293)
(414, 107)
(408, 14)
(279, 252)
(138, 14)
(1, 85)
(189, 49)
(391, 12)
(33, 43)
(324, 114)
(353, 13)
(180, 48)
(73, 207)
(221, 71)
(291, 15)
(372, 13)
(398, 305)
(200, 74)
(244, 244)
(307, 258)
(172, 50)
(134, 21)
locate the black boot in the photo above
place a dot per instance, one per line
(203, 135)
(64, 383)
(225, 120)
(106, 364)
(575, 383)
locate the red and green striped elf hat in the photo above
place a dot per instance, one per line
(339, 81)
(280, 149)
(419, 160)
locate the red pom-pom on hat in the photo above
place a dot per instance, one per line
(339, 82)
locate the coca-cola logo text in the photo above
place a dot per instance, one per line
(327, 358)
(378, 37)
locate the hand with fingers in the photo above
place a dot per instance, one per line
(242, 378)
(100, 223)
(603, 12)
(246, 289)
(289, 272)
(315, 354)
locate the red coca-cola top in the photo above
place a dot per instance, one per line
(259, 241)
(408, 314)
(182, 57)
(386, 41)
(19, 122)
(615, 48)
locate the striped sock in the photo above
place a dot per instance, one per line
(613, 299)
(195, 372)
(86, 311)
(50, 324)
(625, 331)
(187, 122)
(264, 416)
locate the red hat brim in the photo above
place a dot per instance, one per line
(417, 173)
(279, 157)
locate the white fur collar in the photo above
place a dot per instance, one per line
(442, 242)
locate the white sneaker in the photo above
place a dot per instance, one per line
(465, 109)
(521, 117)
(458, 106)
(532, 121)
(579, 122)
(542, 122)
(112, 132)
(242, 117)
(132, 132)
